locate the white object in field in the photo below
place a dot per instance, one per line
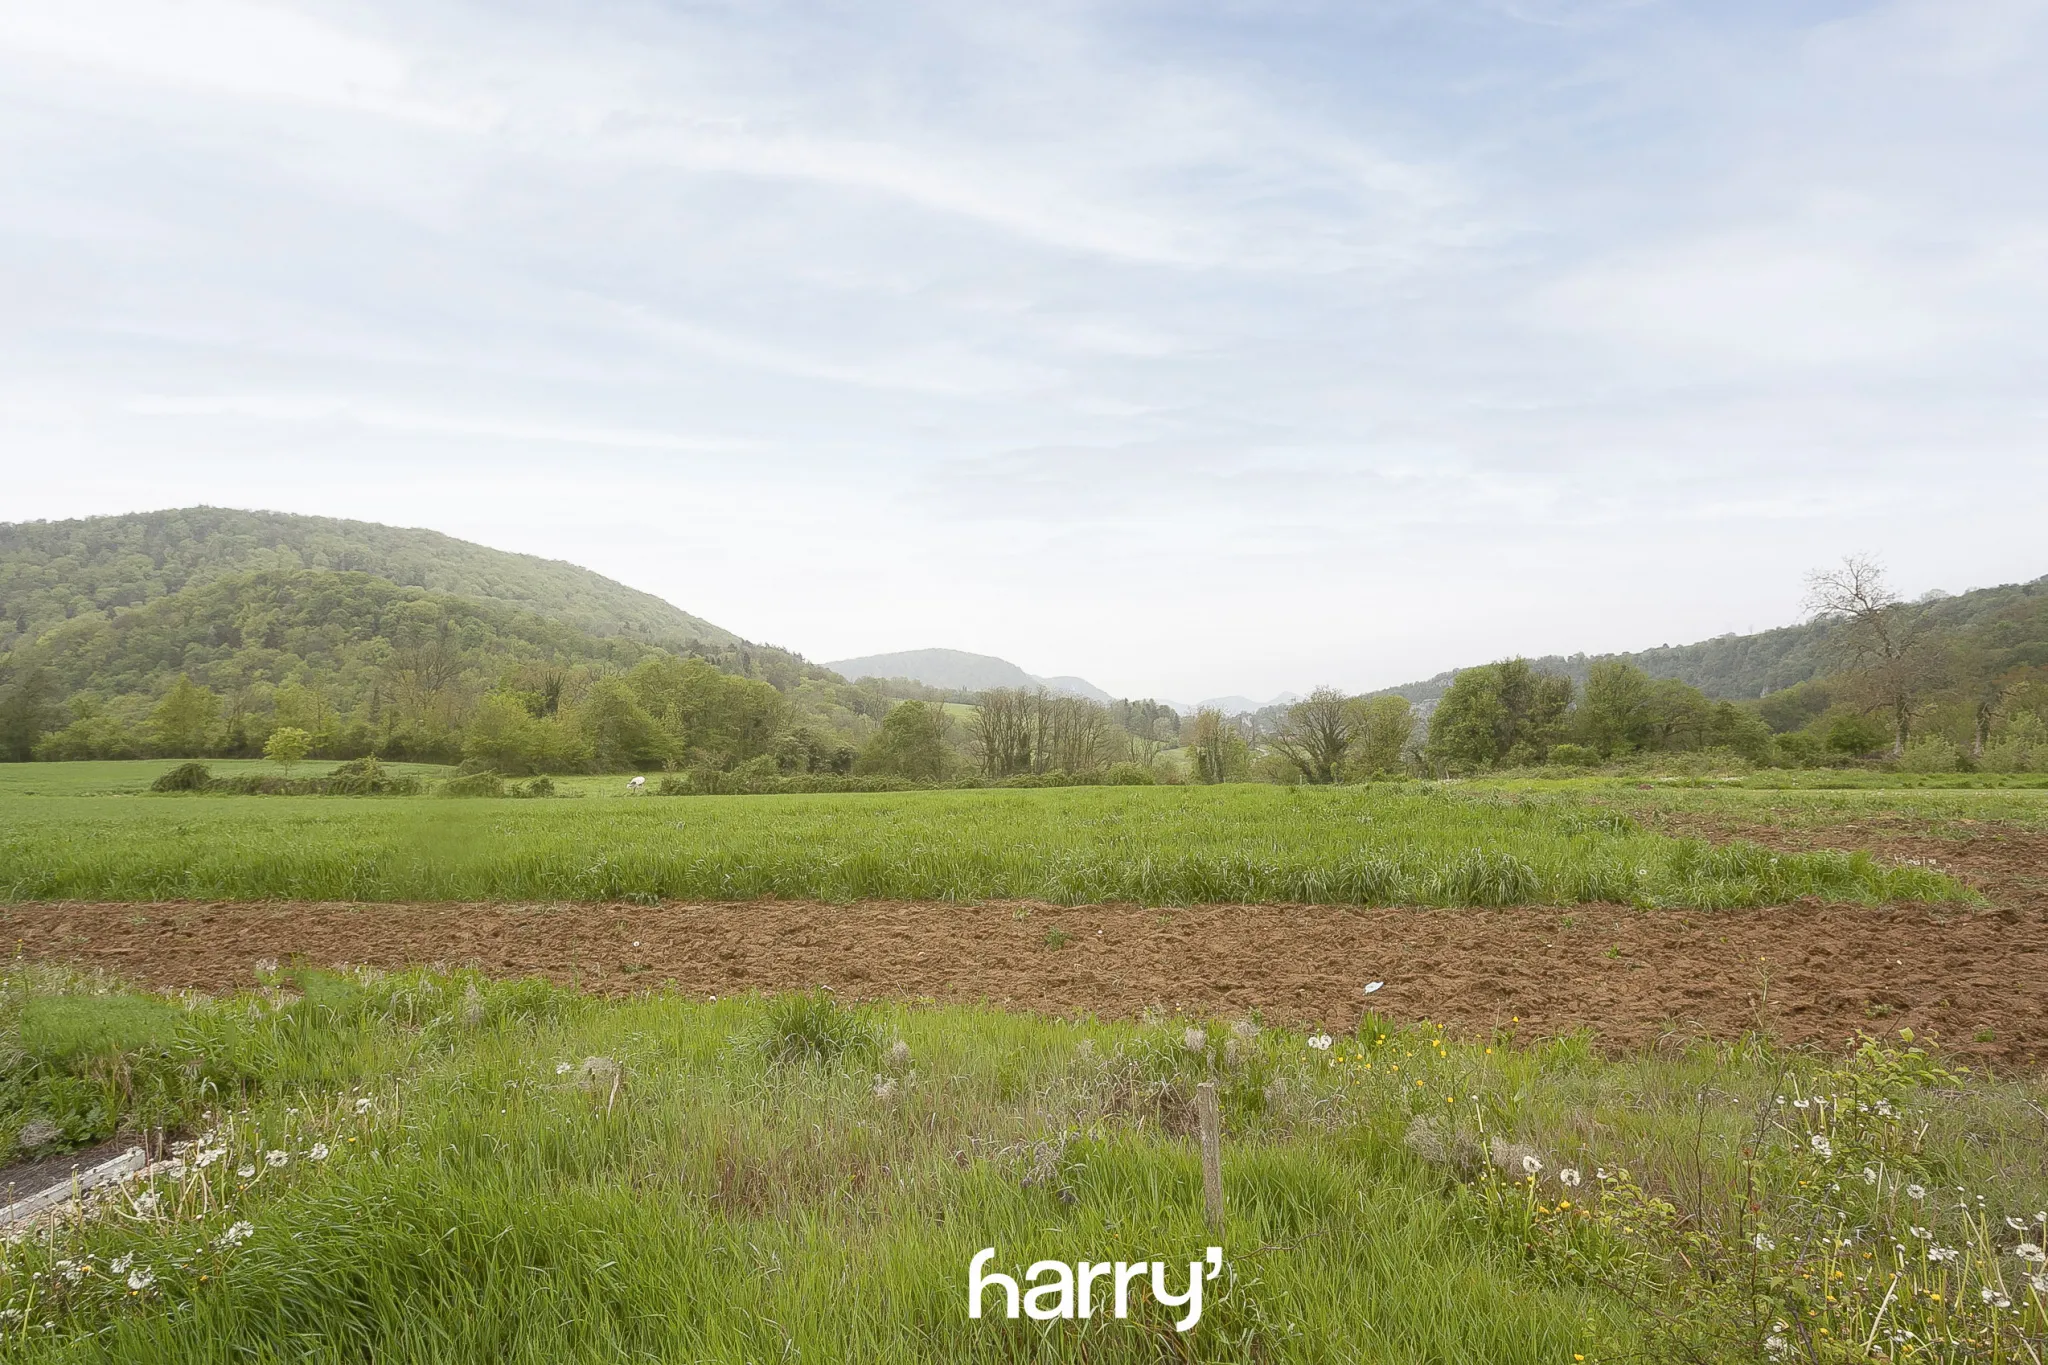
(73, 1185)
(637, 783)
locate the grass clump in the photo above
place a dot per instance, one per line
(812, 1026)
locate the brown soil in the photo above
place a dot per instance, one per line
(1811, 973)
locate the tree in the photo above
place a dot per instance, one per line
(1217, 748)
(1877, 638)
(182, 723)
(28, 707)
(911, 743)
(1498, 713)
(1613, 713)
(1315, 735)
(1381, 729)
(616, 730)
(288, 744)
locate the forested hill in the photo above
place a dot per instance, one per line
(1745, 667)
(54, 571)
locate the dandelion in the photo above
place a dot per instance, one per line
(1884, 1107)
(1870, 1175)
(562, 1068)
(2016, 1224)
(1762, 1242)
(246, 1170)
(1569, 1178)
(1319, 1041)
(1922, 1233)
(2031, 1254)
(235, 1236)
(1994, 1298)
(274, 1158)
(1916, 1192)
(141, 1278)
(1194, 1040)
(1372, 986)
(1778, 1346)
(1531, 1165)
(146, 1202)
(2040, 1283)
(119, 1265)
(208, 1155)
(363, 1104)
(899, 1054)
(1600, 1173)
(885, 1087)
(319, 1152)
(1820, 1144)
(1938, 1254)
(1801, 1104)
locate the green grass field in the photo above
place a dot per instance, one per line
(477, 1171)
(1450, 844)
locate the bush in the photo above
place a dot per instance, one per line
(1129, 775)
(186, 777)
(1931, 754)
(475, 784)
(1572, 756)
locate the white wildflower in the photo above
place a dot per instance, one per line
(1531, 1165)
(275, 1158)
(208, 1155)
(1194, 1040)
(1936, 1253)
(563, 1068)
(319, 1152)
(1916, 1192)
(885, 1087)
(235, 1236)
(119, 1265)
(246, 1170)
(141, 1278)
(1922, 1233)
(1762, 1242)
(1801, 1104)
(1778, 1346)
(1820, 1144)
(2031, 1254)
(2016, 1224)
(146, 1202)
(1870, 1175)
(72, 1271)
(1884, 1107)
(2040, 1283)
(1994, 1298)
(1319, 1041)
(363, 1105)
(1569, 1178)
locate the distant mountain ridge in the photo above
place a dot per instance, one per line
(53, 571)
(1744, 667)
(957, 669)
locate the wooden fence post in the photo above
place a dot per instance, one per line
(1209, 1114)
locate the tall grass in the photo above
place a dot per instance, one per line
(454, 1187)
(1372, 846)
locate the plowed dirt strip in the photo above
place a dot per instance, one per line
(1812, 973)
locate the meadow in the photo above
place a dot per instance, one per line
(90, 834)
(423, 1167)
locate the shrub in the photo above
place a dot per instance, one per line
(1931, 754)
(186, 777)
(1572, 756)
(1129, 775)
(475, 784)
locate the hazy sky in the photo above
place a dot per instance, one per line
(1193, 348)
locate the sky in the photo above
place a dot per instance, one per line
(1196, 348)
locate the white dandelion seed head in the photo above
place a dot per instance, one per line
(885, 1087)
(1531, 1165)
(562, 1068)
(1763, 1242)
(2040, 1283)
(235, 1235)
(1820, 1144)
(1870, 1175)
(275, 1158)
(1319, 1041)
(319, 1152)
(1195, 1040)
(246, 1169)
(146, 1202)
(1569, 1178)
(119, 1265)
(1916, 1192)
(1922, 1233)
(208, 1155)
(2030, 1253)
(141, 1278)
(1802, 1104)
(364, 1104)
(1938, 1253)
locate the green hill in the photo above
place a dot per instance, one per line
(2010, 621)
(56, 571)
